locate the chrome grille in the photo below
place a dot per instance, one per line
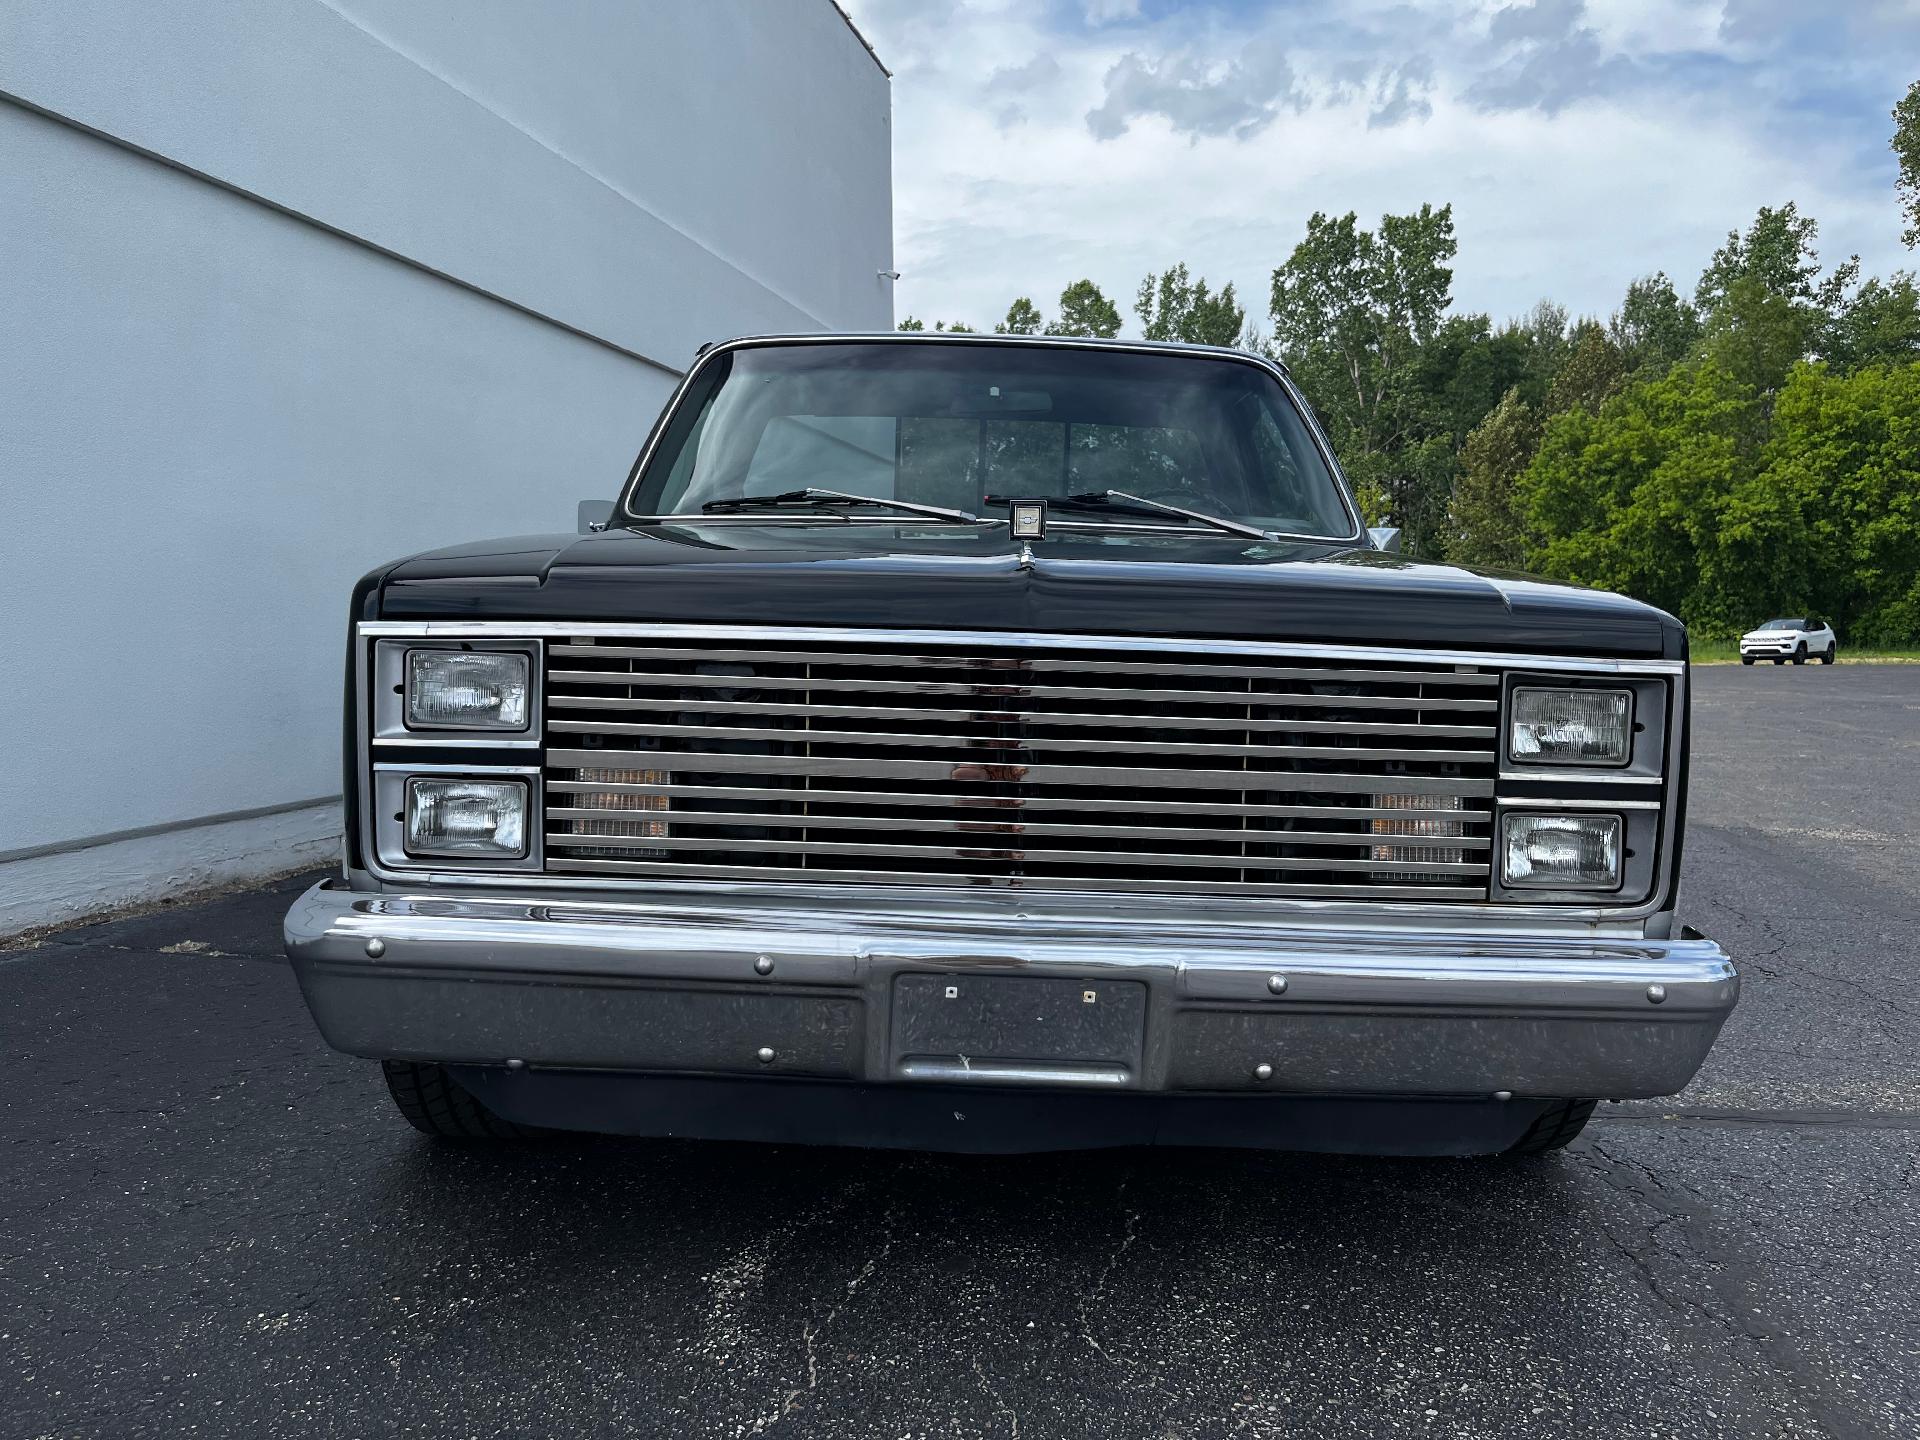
(1045, 769)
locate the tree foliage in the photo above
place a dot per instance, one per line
(1173, 307)
(1352, 312)
(1654, 327)
(1778, 254)
(1486, 523)
(1023, 318)
(1906, 147)
(1086, 311)
(914, 324)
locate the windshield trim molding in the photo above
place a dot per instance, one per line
(625, 513)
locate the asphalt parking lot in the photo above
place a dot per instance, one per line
(212, 1225)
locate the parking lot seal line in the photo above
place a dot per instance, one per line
(1822, 1119)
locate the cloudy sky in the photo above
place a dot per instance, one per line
(1581, 142)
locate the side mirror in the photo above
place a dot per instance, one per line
(1385, 537)
(595, 515)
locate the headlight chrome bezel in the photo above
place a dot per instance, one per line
(392, 785)
(387, 679)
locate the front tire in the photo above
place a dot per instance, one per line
(1554, 1130)
(1746, 659)
(436, 1104)
(1800, 654)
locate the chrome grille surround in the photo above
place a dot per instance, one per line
(1005, 763)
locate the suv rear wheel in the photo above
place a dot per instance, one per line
(1832, 650)
(435, 1104)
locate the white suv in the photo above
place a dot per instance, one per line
(1784, 640)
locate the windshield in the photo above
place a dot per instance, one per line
(1785, 625)
(969, 426)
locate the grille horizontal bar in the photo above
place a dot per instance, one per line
(776, 873)
(989, 772)
(815, 820)
(865, 660)
(828, 683)
(1022, 803)
(1023, 743)
(1207, 774)
(992, 717)
(989, 852)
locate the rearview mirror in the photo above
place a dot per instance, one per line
(594, 515)
(1385, 537)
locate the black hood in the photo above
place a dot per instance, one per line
(918, 577)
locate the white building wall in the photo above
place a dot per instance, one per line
(289, 288)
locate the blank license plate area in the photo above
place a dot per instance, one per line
(1017, 1029)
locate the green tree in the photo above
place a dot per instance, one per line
(1173, 307)
(1880, 324)
(1352, 310)
(1654, 327)
(912, 323)
(1486, 523)
(1757, 334)
(1778, 253)
(1842, 464)
(1461, 373)
(1635, 498)
(1023, 318)
(1085, 310)
(1595, 367)
(1906, 146)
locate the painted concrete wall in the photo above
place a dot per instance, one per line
(289, 288)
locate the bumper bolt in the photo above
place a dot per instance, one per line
(1277, 984)
(764, 1055)
(1263, 1071)
(1503, 1094)
(376, 948)
(516, 1064)
(763, 966)
(1657, 993)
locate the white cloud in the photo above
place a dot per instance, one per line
(1581, 146)
(1198, 97)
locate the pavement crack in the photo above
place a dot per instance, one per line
(999, 1401)
(1130, 1231)
(1731, 1306)
(810, 1332)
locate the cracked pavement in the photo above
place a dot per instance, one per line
(212, 1225)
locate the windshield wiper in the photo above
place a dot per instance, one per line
(819, 498)
(1105, 499)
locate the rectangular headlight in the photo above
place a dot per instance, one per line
(1560, 852)
(466, 690)
(473, 818)
(1570, 727)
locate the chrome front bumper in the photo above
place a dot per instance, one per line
(734, 989)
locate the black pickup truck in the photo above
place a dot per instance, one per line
(991, 744)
